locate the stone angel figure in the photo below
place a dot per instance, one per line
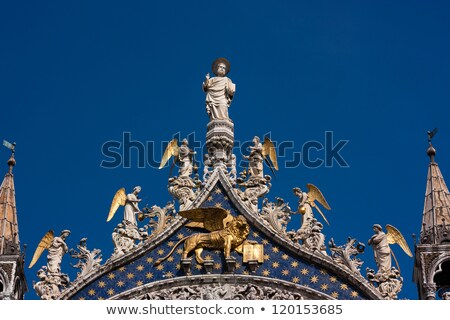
(130, 202)
(182, 154)
(56, 247)
(260, 152)
(307, 201)
(227, 233)
(380, 242)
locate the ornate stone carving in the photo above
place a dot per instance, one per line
(219, 143)
(222, 292)
(311, 238)
(125, 236)
(389, 283)
(255, 187)
(445, 295)
(345, 255)
(430, 291)
(207, 166)
(184, 189)
(232, 175)
(88, 260)
(437, 235)
(47, 288)
(164, 216)
(276, 215)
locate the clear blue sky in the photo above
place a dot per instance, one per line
(76, 74)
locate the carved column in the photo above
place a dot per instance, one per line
(430, 291)
(219, 141)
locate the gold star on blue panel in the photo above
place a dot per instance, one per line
(279, 263)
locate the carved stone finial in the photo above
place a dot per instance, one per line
(346, 255)
(276, 215)
(88, 260)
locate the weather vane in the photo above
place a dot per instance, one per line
(10, 146)
(431, 134)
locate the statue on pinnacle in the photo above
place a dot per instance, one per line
(219, 90)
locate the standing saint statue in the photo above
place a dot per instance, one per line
(219, 90)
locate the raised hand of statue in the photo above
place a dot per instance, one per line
(206, 83)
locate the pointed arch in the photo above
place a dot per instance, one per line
(3, 281)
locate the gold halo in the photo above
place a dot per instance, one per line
(220, 60)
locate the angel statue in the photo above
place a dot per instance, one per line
(306, 201)
(182, 154)
(380, 242)
(226, 232)
(129, 201)
(219, 90)
(56, 247)
(258, 154)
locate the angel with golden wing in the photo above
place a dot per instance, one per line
(306, 201)
(129, 201)
(259, 153)
(182, 154)
(380, 242)
(56, 247)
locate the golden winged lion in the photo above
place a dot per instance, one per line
(226, 232)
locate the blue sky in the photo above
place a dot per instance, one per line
(74, 75)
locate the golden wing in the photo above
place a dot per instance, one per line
(45, 243)
(394, 236)
(315, 194)
(211, 219)
(268, 149)
(172, 149)
(119, 199)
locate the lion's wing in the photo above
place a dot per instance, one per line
(211, 219)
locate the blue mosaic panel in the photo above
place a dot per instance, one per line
(278, 263)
